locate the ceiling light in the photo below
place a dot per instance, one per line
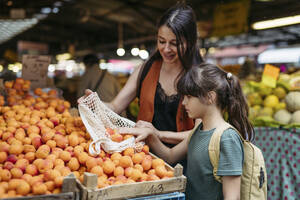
(46, 10)
(135, 51)
(55, 10)
(143, 54)
(285, 21)
(120, 52)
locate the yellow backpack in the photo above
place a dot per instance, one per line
(254, 176)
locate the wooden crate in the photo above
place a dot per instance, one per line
(69, 191)
(89, 190)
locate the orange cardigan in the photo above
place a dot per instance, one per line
(147, 95)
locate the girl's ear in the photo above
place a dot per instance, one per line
(211, 97)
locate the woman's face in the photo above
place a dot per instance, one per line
(167, 45)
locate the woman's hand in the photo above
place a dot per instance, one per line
(140, 133)
(87, 93)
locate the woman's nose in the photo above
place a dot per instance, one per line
(167, 48)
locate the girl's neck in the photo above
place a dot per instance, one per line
(212, 119)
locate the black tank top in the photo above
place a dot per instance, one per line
(165, 110)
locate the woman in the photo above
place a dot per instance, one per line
(155, 82)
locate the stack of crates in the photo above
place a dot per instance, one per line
(169, 196)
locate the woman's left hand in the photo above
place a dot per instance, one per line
(141, 133)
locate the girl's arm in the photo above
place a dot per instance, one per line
(170, 155)
(167, 136)
(231, 187)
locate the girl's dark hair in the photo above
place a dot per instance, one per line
(203, 78)
(182, 21)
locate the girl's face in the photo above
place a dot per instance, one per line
(167, 45)
(194, 106)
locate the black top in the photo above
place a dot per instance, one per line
(165, 110)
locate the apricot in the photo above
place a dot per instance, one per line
(146, 164)
(78, 150)
(151, 171)
(50, 185)
(5, 175)
(65, 156)
(43, 151)
(156, 162)
(125, 161)
(138, 167)
(108, 167)
(36, 141)
(73, 140)
(45, 165)
(51, 143)
(16, 172)
(153, 177)
(23, 188)
(39, 189)
(137, 158)
(97, 170)
(30, 156)
(26, 177)
(58, 162)
(119, 171)
(29, 148)
(58, 181)
(13, 183)
(22, 164)
(51, 175)
(65, 171)
(73, 164)
(115, 156)
(31, 169)
(3, 157)
(90, 163)
(136, 174)
(83, 157)
(146, 149)
(128, 152)
(161, 171)
(170, 173)
(128, 171)
(4, 147)
(116, 137)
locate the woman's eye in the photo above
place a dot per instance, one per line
(173, 44)
(161, 42)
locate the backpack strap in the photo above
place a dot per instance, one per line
(214, 148)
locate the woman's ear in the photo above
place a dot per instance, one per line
(211, 97)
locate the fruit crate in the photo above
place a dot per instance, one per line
(169, 196)
(89, 190)
(69, 191)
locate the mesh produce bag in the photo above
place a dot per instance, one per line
(96, 117)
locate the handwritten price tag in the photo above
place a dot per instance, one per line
(270, 75)
(35, 69)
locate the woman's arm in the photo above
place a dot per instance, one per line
(231, 187)
(168, 136)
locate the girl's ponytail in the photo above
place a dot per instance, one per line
(237, 108)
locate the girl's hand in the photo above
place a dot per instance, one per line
(140, 133)
(87, 93)
(144, 124)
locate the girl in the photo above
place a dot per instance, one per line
(208, 93)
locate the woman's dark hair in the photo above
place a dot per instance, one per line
(203, 78)
(182, 21)
(90, 59)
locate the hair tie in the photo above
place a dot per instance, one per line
(229, 75)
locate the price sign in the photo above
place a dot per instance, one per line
(35, 69)
(270, 75)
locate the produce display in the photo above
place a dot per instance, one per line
(275, 107)
(41, 143)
